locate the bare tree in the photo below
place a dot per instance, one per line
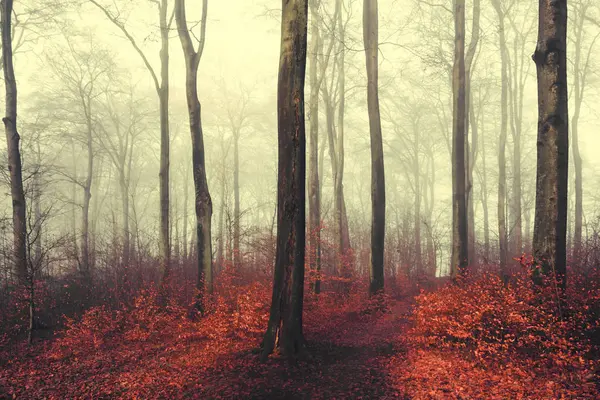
(550, 226)
(285, 318)
(370, 38)
(502, 232)
(162, 91)
(581, 70)
(459, 206)
(12, 140)
(193, 55)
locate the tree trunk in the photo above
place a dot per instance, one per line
(502, 232)
(314, 194)
(370, 38)
(550, 224)
(185, 212)
(87, 194)
(285, 319)
(163, 94)
(459, 206)
(580, 68)
(469, 115)
(340, 204)
(221, 245)
(237, 261)
(14, 154)
(124, 184)
(484, 202)
(204, 283)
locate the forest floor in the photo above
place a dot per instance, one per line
(345, 357)
(442, 344)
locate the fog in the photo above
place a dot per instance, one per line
(64, 46)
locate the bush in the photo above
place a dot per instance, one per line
(531, 331)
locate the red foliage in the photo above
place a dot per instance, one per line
(521, 340)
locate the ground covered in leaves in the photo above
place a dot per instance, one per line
(479, 340)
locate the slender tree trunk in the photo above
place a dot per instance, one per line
(237, 261)
(418, 193)
(460, 230)
(550, 226)
(163, 94)
(87, 196)
(580, 69)
(185, 211)
(502, 232)
(203, 206)
(484, 202)
(470, 121)
(314, 194)
(125, 209)
(285, 319)
(14, 154)
(340, 203)
(221, 245)
(370, 38)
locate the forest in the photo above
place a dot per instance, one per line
(305, 199)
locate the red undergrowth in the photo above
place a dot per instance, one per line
(485, 339)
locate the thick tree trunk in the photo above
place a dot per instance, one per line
(370, 38)
(459, 206)
(14, 154)
(314, 194)
(285, 319)
(203, 206)
(550, 225)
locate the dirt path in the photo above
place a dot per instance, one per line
(348, 365)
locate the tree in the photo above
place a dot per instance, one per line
(581, 70)
(472, 122)
(12, 140)
(550, 225)
(119, 134)
(503, 237)
(370, 38)
(203, 207)
(285, 318)
(459, 199)
(162, 91)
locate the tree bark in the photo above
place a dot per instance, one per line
(502, 232)
(314, 194)
(370, 38)
(87, 192)
(237, 261)
(285, 318)
(581, 69)
(203, 206)
(550, 224)
(14, 154)
(459, 206)
(470, 121)
(163, 94)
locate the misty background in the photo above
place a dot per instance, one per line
(64, 48)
